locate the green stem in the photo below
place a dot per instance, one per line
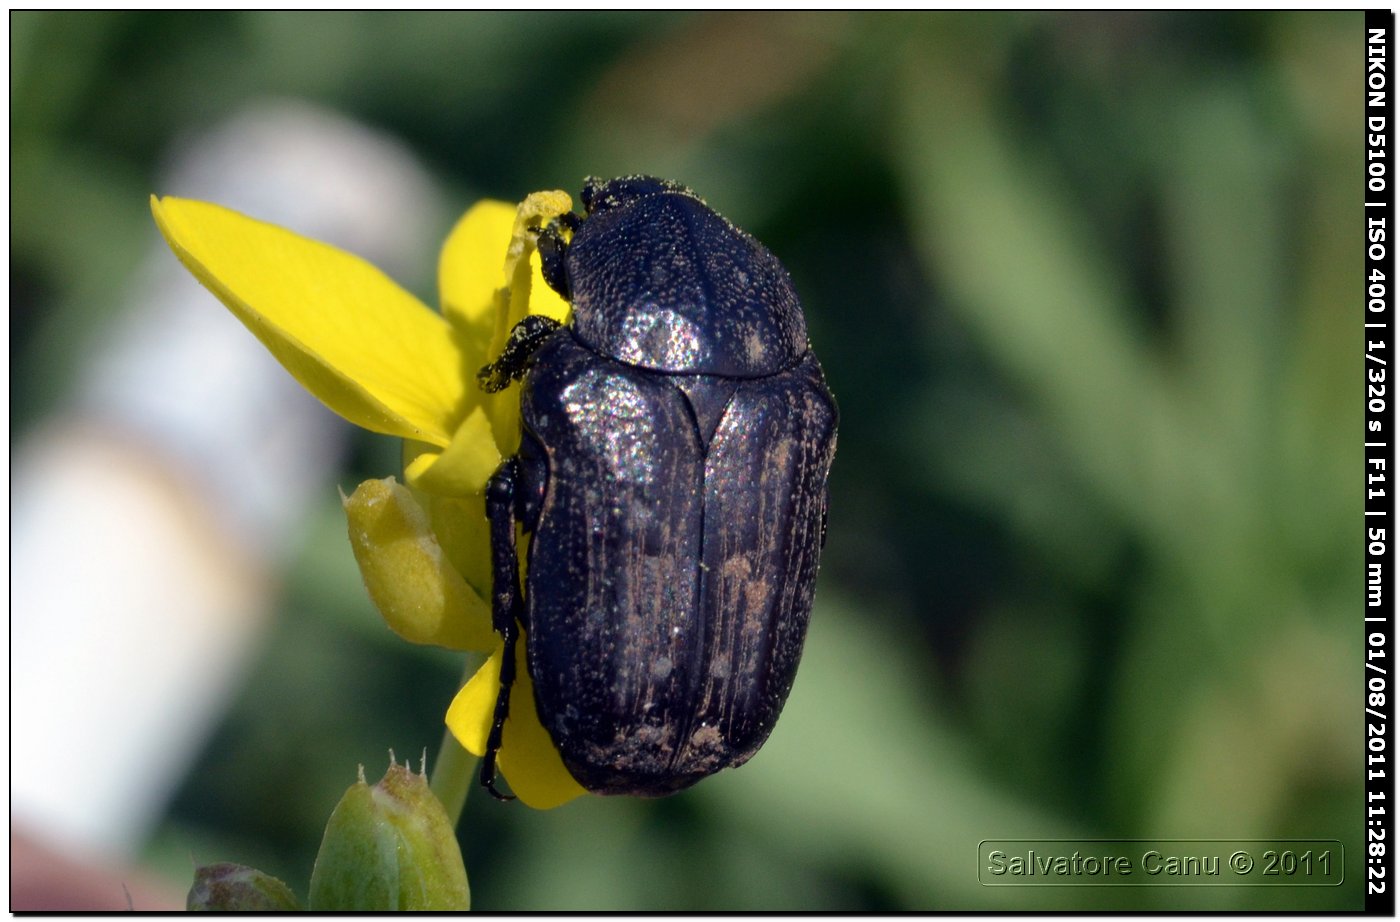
(454, 770)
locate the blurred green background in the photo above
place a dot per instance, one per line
(1084, 286)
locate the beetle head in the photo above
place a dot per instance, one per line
(601, 194)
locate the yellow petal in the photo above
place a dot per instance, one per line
(526, 293)
(458, 522)
(470, 714)
(418, 592)
(543, 299)
(478, 267)
(528, 759)
(471, 282)
(464, 466)
(489, 278)
(368, 349)
(465, 534)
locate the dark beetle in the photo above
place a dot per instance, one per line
(676, 439)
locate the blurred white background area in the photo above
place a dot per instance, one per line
(151, 512)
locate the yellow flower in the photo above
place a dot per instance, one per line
(383, 360)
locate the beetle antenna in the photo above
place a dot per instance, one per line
(551, 245)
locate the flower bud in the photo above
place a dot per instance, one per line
(227, 887)
(389, 847)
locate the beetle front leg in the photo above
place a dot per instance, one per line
(525, 337)
(506, 605)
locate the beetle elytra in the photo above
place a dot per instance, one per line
(677, 435)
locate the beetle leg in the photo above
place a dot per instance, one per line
(525, 337)
(505, 605)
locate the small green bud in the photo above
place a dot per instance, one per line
(227, 887)
(389, 847)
